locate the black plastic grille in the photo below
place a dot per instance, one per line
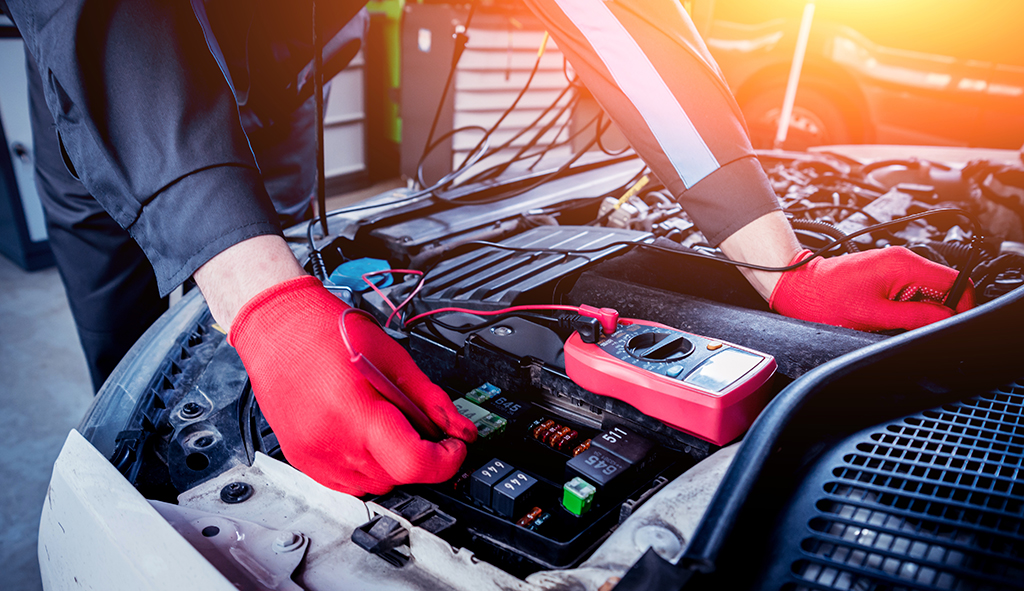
(934, 501)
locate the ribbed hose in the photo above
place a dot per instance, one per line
(316, 260)
(955, 253)
(824, 228)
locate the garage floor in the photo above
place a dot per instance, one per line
(44, 392)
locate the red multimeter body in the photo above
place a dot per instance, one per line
(708, 388)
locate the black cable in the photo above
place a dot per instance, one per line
(555, 141)
(853, 208)
(962, 278)
(865, 184)
(418, 196)
(522, 92)
(543, 114)
(318, 123)
(600, 146)
(521, 154)
(500, 168)
(546, 179)
(474, 156)
(421, 195)
(460, 46)
(820, 227)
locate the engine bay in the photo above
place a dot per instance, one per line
(488, 294)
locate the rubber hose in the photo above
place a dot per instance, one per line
(955, 252)
(827, 229)
(316, 260)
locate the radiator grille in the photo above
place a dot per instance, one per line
(934, 501)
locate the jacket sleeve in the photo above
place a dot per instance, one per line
(149, 124)
(648, 68)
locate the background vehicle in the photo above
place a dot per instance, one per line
(882, 460)
(943, 72)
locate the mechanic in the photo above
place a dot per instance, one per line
(145, 100)
(110, 285)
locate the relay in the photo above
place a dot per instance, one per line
(481, 483)
(612, 454)
(513, 496)
(626, 445)
(596, 466)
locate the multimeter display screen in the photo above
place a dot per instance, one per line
(721, 370)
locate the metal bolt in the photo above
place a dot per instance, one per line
(288, 542)
(663, 540)
(235, 492)
(502, 331)
(191, 410)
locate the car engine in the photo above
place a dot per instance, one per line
(568, 485)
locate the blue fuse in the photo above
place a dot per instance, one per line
(535, 525)
(482, 394)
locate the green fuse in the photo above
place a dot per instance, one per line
(490, 426)
(577, 496)
(482, 394)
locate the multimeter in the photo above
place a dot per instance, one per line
(709, 388)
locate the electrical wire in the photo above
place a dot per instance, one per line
(522, 92)
(373, 286)
(318, 121)
(507, 143)
(480, 151)
(520, 154)
(605, 150)
(460, 47)
(498, 169)
(417, 196)
(853, 208)
(474, 156)
(394, 309)
(555, 142)
(560, 171)
(415, 291)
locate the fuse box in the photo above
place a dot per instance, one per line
(542, 489)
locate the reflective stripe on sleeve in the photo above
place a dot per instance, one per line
(644, 87)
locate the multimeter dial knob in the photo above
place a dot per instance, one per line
(659, 346)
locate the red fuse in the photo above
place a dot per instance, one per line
(581, 448)
(565, 440)
(546, 437)
(558, 436)
(541, 428)
(527, 519)
(460, 482)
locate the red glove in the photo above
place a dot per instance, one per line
(330, 421)
(880, 289)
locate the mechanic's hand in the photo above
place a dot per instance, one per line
(881, 289)
(330, 421)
